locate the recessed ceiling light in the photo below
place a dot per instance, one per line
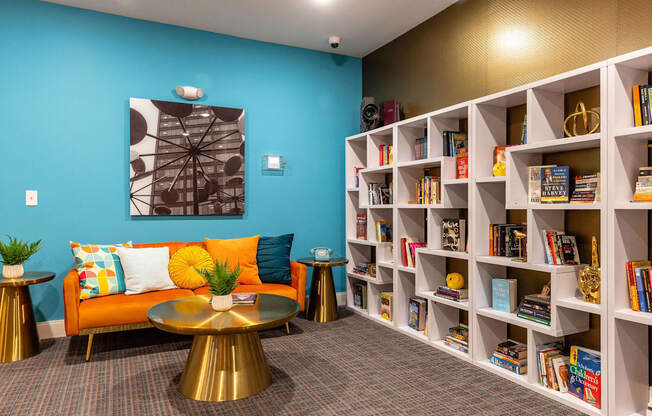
(323, 2)
(185, 133)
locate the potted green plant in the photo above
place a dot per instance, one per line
(221, 282)
(15, 254)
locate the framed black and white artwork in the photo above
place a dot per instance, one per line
(185, 159)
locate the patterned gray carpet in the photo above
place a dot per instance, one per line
(352, 366)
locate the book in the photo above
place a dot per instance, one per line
(561, 365)
(453, 234)
(360, 295)
(496, 360)
(499, 155)
(587, 189)
(541, 350)
(636, 102)
(384, 232)
(585, 370)
(640, 289)
(391, 112)
(503, 294)
(361, 226)
(524, 131)
(513, 349)
(462, 167)
(554, 184)
(569, 251)
(534, 183)
(387, 306)
(244, 298)
(356, 176)
(460, 144)
(417, 313)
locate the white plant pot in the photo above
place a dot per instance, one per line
(13, 272)
(221, 303)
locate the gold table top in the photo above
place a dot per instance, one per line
(29, 278)
(194, 315)
(334, 261)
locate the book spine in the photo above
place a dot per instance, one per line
(633, 293)
(636, 102)
(507, 365)
(534, 319)
(645, 116)
(640, 290)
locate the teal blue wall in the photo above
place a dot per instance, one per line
(67, 75)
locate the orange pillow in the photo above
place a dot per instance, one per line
(242, 250)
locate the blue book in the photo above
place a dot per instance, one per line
(503, 295)
(554, 185)
(640, 281)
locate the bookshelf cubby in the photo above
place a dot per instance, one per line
(617, 149)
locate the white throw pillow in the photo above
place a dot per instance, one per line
(146, 269)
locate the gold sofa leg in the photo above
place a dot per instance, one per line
(89, 346)
(287, 327)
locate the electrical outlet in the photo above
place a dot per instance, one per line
(31, 198)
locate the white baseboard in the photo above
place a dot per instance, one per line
(51, 329)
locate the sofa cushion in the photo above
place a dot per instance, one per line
(99, 268)
(269, 288)
(273, 259)
(122, 309)
(236, 251)
(146, 269)
(184, 265)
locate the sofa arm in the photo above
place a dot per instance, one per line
(71, 292)
(299, 272)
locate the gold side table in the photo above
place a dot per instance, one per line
(18, 337)
(226, 360)
(322, 306)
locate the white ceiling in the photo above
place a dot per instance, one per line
(363, 25)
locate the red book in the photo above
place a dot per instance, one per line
(462, 167)
(403, 253)
(555, 260)
(390, 112)
(380, 154)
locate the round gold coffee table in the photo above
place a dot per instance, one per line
(226, 360)
(322, 306)
(18, 337)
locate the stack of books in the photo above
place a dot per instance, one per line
(511, 355)
(417, 313)
(503, 242)
(364, 269)
(458, 338)
(360, 295)
(453, 234)
(408, 251)
(421, 148)
(386, 154)
(643, 192)
(535, 308)
(384, 232)
(553, 366)
(641, 98)
(639, 282)
(458, 295)
(587, 189)
(560, 248)
(380, 193)
(585, 375)
(361, 227)
(428, 190)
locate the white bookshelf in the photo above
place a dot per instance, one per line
(484, 199)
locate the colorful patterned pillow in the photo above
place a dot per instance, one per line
(99, 268)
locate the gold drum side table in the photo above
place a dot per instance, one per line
(322, 306)
(18, 337)
(226, 360)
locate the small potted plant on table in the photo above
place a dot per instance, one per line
(221, 282)
(15, 254)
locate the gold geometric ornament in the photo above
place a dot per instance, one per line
(588, 116)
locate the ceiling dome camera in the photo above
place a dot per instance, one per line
(334, 41)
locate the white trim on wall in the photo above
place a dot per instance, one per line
(51, 329)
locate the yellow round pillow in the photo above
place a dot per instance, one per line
(182, 267)
(455, 280)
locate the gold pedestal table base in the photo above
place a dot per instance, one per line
(18, 337)
(322, 306)
(226, 360)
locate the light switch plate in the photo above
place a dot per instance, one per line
(31, 198)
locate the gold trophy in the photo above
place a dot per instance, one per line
(520, 236)
(589, 278)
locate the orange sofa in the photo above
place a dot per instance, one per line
(121, 312)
